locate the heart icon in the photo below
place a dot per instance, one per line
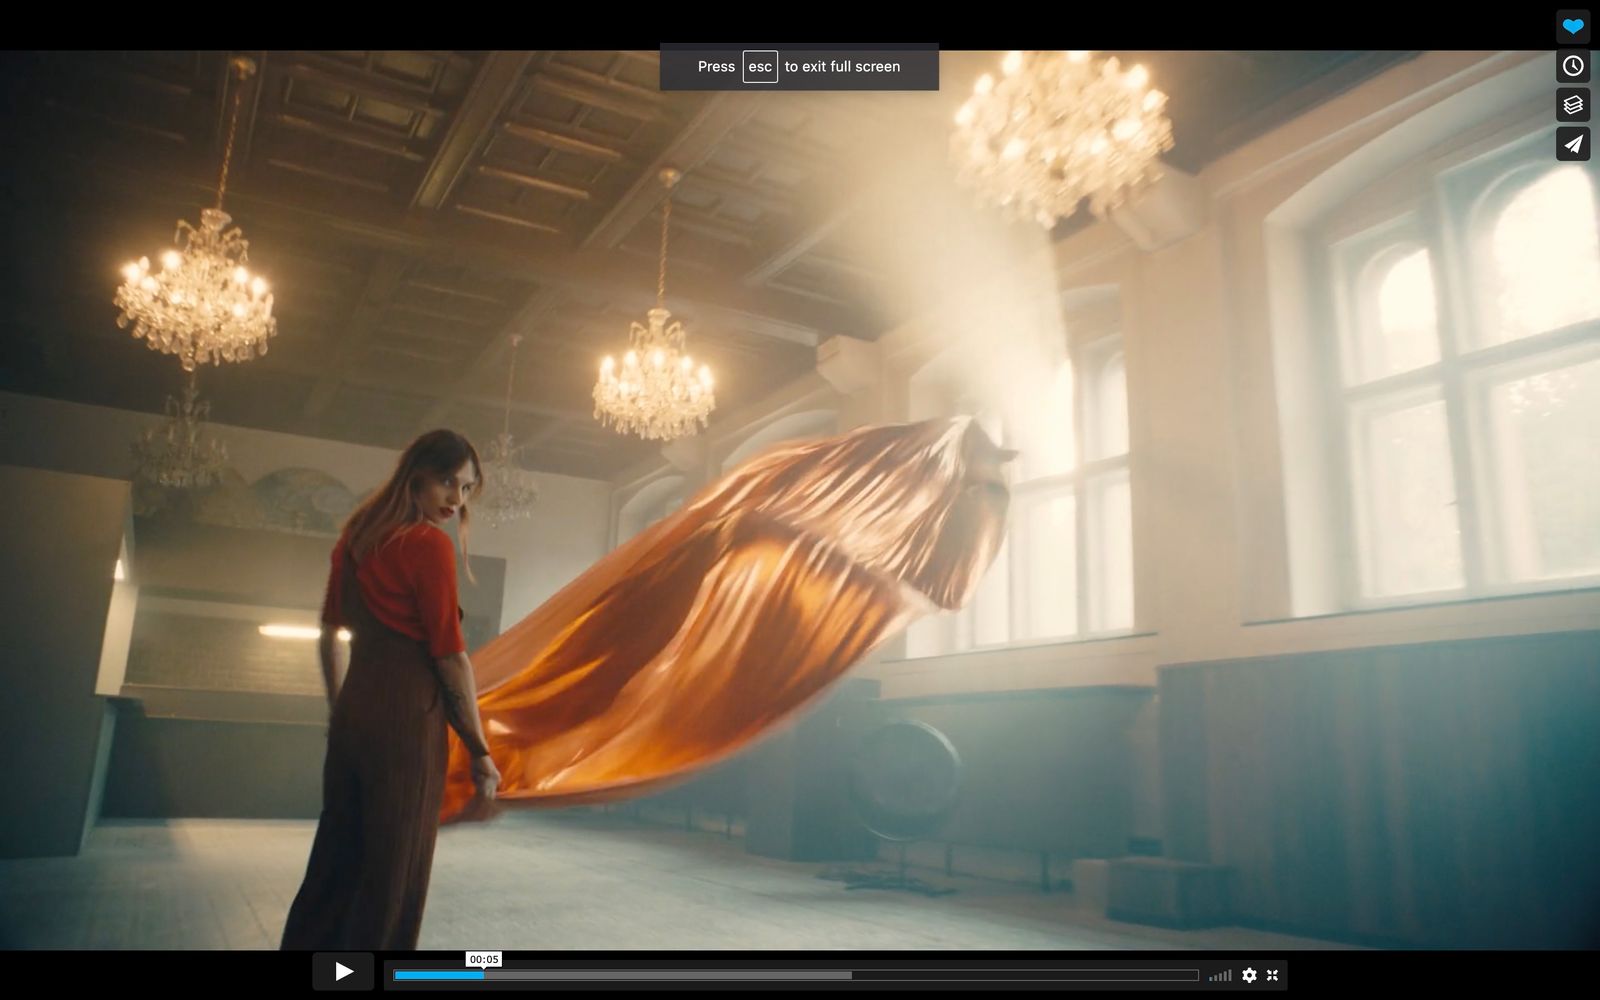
(1573, 25)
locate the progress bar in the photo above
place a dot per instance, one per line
(860, 975)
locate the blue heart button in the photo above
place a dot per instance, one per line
(1573, 25)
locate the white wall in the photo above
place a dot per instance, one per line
(565, 536)
(567, 533)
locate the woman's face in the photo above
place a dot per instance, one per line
(441, 498)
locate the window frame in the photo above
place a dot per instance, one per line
(1450, 207)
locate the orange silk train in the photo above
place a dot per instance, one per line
(683, 645)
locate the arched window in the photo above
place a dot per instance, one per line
(1469, 390)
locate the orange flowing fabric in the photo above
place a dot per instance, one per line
(733, 614)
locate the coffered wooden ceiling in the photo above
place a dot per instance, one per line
(413, 210)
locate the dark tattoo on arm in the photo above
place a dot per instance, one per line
(461, 716)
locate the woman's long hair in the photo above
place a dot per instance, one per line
(437, 453)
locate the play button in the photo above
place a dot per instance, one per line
(342, 971)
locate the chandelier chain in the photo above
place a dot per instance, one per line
(233, 129)
(511, 374)
(661, 281)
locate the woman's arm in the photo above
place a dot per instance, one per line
(460, 694)
(459, 691)
(328, 653)
(435, 583)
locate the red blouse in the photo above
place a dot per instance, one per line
(409, 584)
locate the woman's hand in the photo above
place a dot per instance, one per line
(485, 776)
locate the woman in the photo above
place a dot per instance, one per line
(393, 584)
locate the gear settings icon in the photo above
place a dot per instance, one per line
(1249, 975)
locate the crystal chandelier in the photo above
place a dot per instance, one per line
(173, 456)
(656, 393)
(1059, 127)
(203, 305)
(506, 495)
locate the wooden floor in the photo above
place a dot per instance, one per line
(541, 881)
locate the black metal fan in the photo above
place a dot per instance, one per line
(904, 784)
